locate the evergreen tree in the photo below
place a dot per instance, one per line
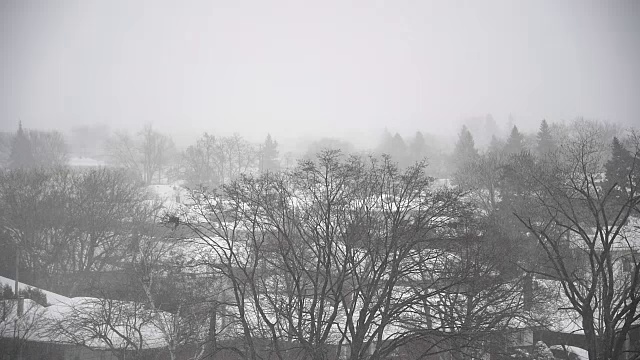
(515, 143)
(6, 139)
(465, 150)
(490, 128)
(490, 125)
(399, 150)
(618, 170)
(495, 146)
(21, 153)
(511, 122)
(514, 189)
(418, 147)
(619, 165)
(269, 156)
(386, 143)
(546, 143)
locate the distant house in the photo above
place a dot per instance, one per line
(85, 162)
(76, 328)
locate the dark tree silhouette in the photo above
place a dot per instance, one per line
(146, 155)
(546, 142)
(465, 150)
(619, 166)
(269, 155)
(515, 142)
(399, 150)
(349, 252)
(418, 147)
(590, 239)
(620, 172)
(495, 146)
(21, 153)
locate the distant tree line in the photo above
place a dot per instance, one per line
(33, 148)
(217, 160)
(58, 222)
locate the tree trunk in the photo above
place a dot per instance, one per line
(590, 336)
(213, 345)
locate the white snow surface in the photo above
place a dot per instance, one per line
(580, 352)
(85, 162)
(69, 313)
(565, 319)
(52, 298)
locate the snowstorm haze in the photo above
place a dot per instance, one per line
(323, 68)
(327, 179)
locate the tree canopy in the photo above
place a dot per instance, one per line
(21, 155)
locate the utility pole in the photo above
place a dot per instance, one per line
(20, 305)
(12, 233)
(17, 282)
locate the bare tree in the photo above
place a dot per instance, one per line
(101, 207)
(169, 283)
(198, 163)
(28, 213)
(575, 215)
(215, 161)
(123, 327)
(235, 156)
(481, 178)
(322, 260)
(20, 323)
(145, 155)
(49, 148)
(57, 222)
(34, 148)
(486, 305)
(156, 151)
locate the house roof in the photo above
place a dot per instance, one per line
(67, 320)
(52, 298)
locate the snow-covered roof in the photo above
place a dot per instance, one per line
(82, 320)
(581, 353)
(562, 316)
(626, 240)
(52, 298)
(85, 162)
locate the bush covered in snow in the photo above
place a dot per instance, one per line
(540, 352)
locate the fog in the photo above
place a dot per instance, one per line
(325, 68)
(325, 179)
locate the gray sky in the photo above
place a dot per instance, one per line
(323, 67)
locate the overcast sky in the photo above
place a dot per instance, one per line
(322, 67)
